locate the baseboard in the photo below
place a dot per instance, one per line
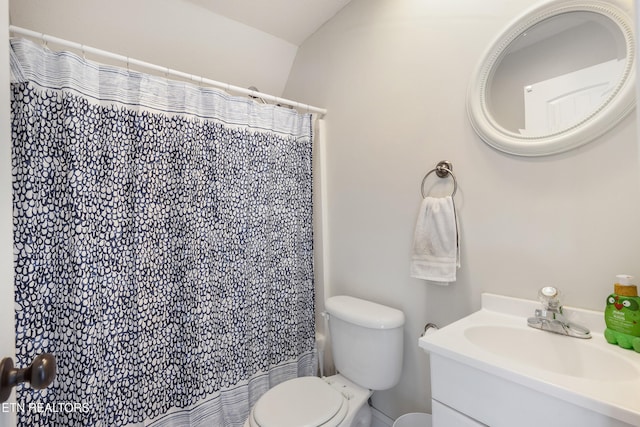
(378, 419)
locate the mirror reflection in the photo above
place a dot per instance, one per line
(557, 73)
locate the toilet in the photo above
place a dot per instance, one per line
(367, 343)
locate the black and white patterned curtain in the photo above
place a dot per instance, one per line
(163, 245)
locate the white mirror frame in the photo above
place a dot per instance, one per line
(620, 103)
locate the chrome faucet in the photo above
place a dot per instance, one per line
(550, 317)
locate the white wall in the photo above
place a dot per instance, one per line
(393, 75)
(177, 34)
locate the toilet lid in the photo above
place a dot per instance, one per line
(301, 402)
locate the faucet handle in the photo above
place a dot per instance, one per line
(549, 291)
(549, 296)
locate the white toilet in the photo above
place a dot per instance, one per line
(366, 339)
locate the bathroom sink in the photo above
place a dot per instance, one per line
(552, 352)
(589, 381)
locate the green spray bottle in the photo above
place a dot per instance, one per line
(622, 314)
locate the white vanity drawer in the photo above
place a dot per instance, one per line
(443, 416)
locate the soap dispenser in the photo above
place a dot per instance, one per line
(622, 314)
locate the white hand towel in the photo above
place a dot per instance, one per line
(436, 241)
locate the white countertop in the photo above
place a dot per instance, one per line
(617, 395)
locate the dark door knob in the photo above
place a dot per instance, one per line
(39, 374)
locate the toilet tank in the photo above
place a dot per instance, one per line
(366, 340)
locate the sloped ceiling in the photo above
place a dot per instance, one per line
(290, 20)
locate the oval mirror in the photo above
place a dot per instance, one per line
(558, 77)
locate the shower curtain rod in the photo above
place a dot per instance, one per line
(196, 79)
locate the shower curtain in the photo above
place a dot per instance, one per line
(163, 245)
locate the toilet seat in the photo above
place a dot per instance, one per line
(300, 402)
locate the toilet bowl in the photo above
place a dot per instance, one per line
(367, 344)
(312, 401)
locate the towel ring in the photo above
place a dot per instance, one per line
(442, 169)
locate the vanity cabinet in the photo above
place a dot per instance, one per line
(466, 396)
(491, 369)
